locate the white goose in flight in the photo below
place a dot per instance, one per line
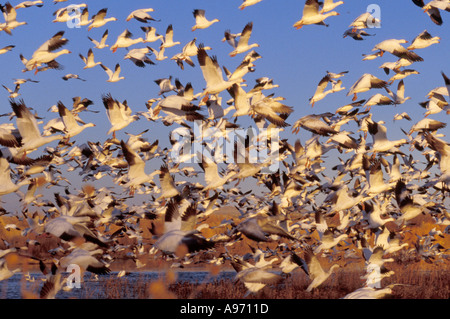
(242, 45)
(119, 114)
(99, 19)
(380, 140)
(141, 15)
(71, 126)
(212, 73)
(7, 186)
(136, 175)
(180, 236)
(113, 76)
(167, 41)
(330, 5)
(311, 15)
(89, 60)
(394, 46)
(423, 40)
(247, 3)
(124, 40)
(365, 83)
(28, 128)
(10, 15)
(200, 20)
(314, 269)
(102, 43)
(45, 53)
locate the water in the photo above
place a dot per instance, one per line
(92, 286)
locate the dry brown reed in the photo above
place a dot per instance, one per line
(417, 283)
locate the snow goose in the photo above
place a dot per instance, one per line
(99, 19)
(311, 15)
(159, 55)
(435, 104)
(380, 141)
(212, 178)
(15, 93)
(141, 15)
(399, 75)
(378, 99)
(427, 125)
(10, 15)
(69, 76)
(240, 100)
(167, 41)
(89, 60)
(27, 4)
(189, 50)
(343, 139)
(28, 129)
(124, 40)
(45, 53)
(71, 126)
(139, 56)
(102, 43)
(443, 152)
(212, 73)
(399, 96)
(314, 269)
(113, 76)
(372, 213)
(165, 85)
(240, 71)
(200, 20)
(394, 46)
(86, 260)
(365, 83)
(437, 4)
(136, 175)
(341, 199)
(373, 56)
(71, 228)
(423, 40)
(314, 124)
(330, 5)
(365, 21)
(7, 49)
(7, 186)
(178, 107)
(151, 35)
(53, 283)
(247, 3)
(9, 135)
(5, 272)
(273, 111)
(369, 293)
(433, 12)
(254, 278)
(180, 236)
(328, 241)
(242, 45)
(356, 34)
(374, 177)
(231, 38)
(395, 66)
(68, 13)
(119, 114)
(168, 187)
(261, 227)
(320, 92)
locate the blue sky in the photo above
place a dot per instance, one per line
(295, 59)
